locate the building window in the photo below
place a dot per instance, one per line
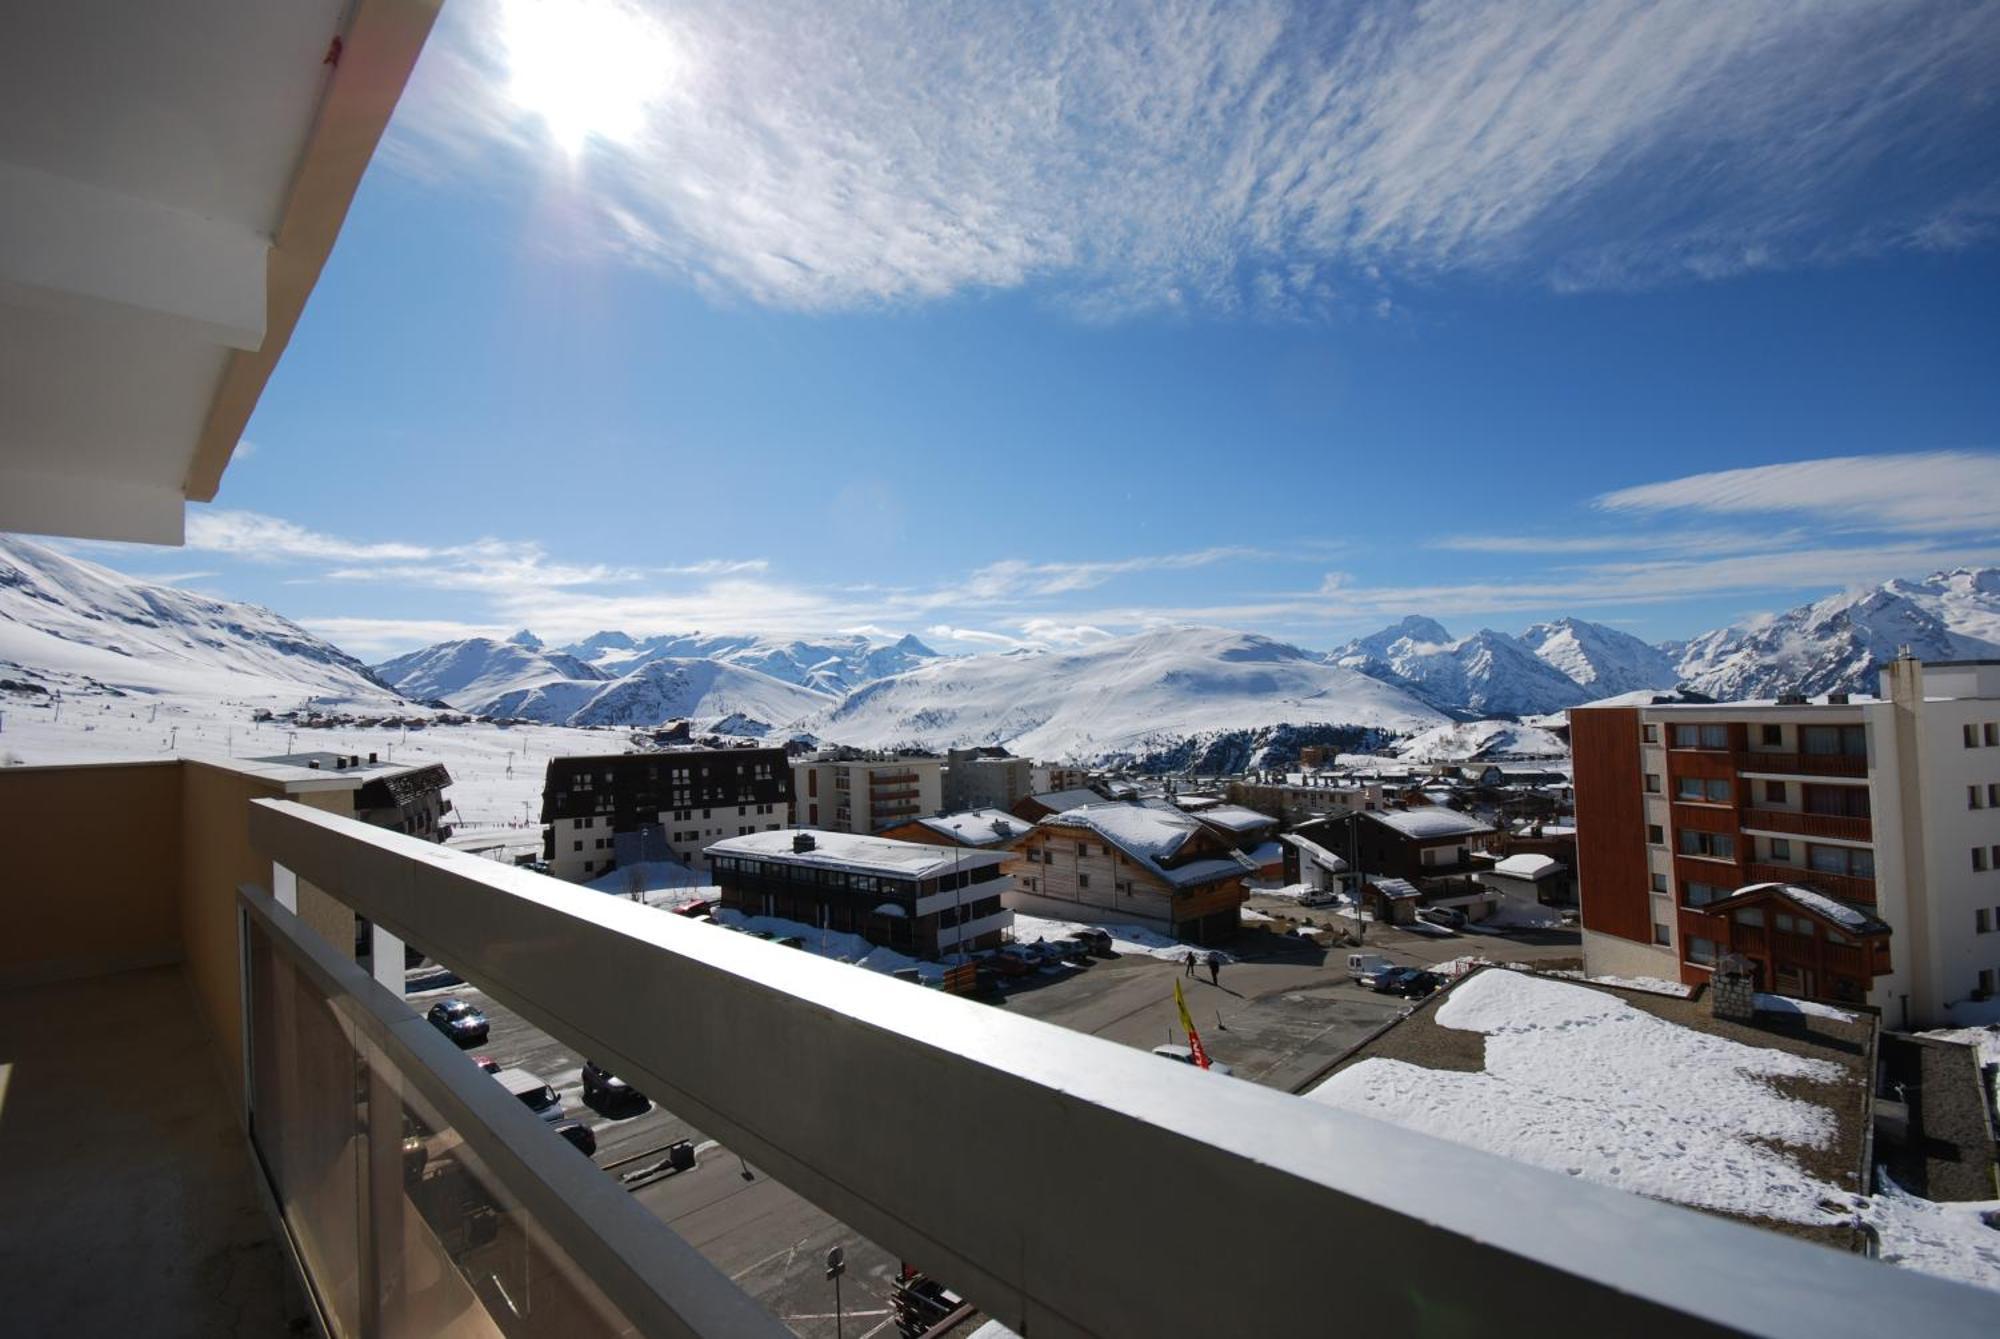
(1831, 740)
(1659, 883)
(1711, 845)
(1844, 860)
(1701, 951)
(1986, 981)
(1792, 925)
(1771, 734)
(1701, 736)
(1652, 783)
(1662, 935)
(577, 846)
(1083, 881)
(1656, 835)
(1774, 792)
(1649, 734)
(1978, 860)
(1751, 916)
(1975, 798)
(1993, 796)
(1982, 921)
(1971, 736)
(1712, 790)
(1781, 849)
(1992, 733)
(1839, 801)
(1701, 894)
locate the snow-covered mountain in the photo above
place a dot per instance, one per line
(1486, 674)
(1465, 741)
(1129, 697)
(1837, 644)
(1601, 660)
(829, 665)
(479, 669)
(68, 625)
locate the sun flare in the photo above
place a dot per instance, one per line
(585, 67)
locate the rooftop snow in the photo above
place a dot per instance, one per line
(1064, 800)
(1582, 1081)
(1433, 821)
(1528, 866)
(978, 827)
(1398, 888)
(1320, 856)
(1837, 912)
(1148, 835)
(1236, 817)
(853, 851)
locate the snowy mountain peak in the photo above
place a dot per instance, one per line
(527, 639)
(1486, 674)
(1603, 660)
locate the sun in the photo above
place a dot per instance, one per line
(585, 67)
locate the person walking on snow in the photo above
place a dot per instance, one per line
(1215, 969)
(1190, 964)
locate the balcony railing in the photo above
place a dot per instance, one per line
(1801, 764)
(785, 1059)
(879, 779)
(1847, 887)
(1840, 826)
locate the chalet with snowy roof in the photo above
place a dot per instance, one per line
(1802, 942)
(1132, 864)
(1531, 878)
(920, 899)
(1431, 847)
(978, 829)
(1034, 808)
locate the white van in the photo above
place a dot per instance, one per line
(1364, 967)
(534, 1092)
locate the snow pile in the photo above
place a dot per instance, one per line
(1125, 939)
(1430, 821)
(1580, 1081)
(1781, 1004)
(1950, 1240)
(653, 876)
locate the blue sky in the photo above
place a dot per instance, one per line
(1037, 324)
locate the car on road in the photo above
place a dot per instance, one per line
(580, 1136)
(1410, 982)
(606, 1092)
(1451, 918)
(1015, 960)
(1186, 1057)
(1364, 967)
(1098, 942)
(534, 1091)
(458, 1020)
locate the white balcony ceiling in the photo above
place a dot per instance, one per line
(171, 179)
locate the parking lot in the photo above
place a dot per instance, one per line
(1282, 1011)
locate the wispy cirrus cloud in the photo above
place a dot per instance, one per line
(1914, 492)
(1282, 157)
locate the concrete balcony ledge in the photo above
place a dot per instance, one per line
(1115, 1194)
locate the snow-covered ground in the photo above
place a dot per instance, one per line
(1125, 939)
(1582, 1082)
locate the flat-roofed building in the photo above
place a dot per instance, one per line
(688, 797)
(919, 899)
(852, 791)
(1882, 813)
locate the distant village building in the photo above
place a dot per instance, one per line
(1430, 848)
(1846, 847)
(1299, 797)
(1132, 864)
(1057, 776)
(918, 899)
(1531, 880)
(689, 797)
(1038, 806)
(979, 829)
(850, 790)
(986, 779)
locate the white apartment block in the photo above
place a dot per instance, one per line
(865, 792)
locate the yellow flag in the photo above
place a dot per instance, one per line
(1187, 1024)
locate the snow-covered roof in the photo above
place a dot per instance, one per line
(1528, 866)
(1396, 888)
(1063, 800)
(978, 827)
(854, 851)
(1265, 853)
(1149, 836)
(1235, 817)
(1318, 854)
(1838, 912)
(1430, 821)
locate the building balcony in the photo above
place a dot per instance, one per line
(877, 780)
(879, 798)
(950, 936)
(1841, 827)
(411, 1195)
(1800, 764)
(1846, 887)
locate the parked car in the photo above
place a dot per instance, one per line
(534, 1092)
(1076, 952)
(1449, 917)
(487, 1063)
(695, 909)
(458, 1020)
(1319, 897)
(1186, 1057)
(1014, 960)
(580, 1136)
(1049, 953)
(1098, 942)
(1412, 982)
(605, 1091)
(1363, 967)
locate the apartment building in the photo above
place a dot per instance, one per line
(1849, 847)
(1300, 796)
(986, 779)
(916, 898)
(687, 797)
(402, 799)
(1430, 847)
(1132, 864)
(847, 790)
